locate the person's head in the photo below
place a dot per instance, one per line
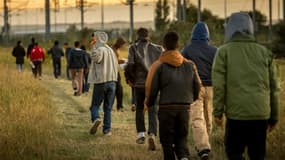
(65, 44)
(142, 33)
(119, 42)
(239, 23)
(56, 42)
(200, 32)
(170, 41)
(83, 47)
(100, 37)
(33, 40)
(19, 43)
(77, 44)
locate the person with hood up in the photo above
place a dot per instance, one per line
(177, 81)
(56, 54)
(245, 90)
(19, 53)
(202, 54)
(103, 74)
(141, 56)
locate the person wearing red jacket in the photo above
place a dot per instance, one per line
(37, 56)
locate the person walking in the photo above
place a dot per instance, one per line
(141, 55)
(103, 74)
(178, 84)
(87, 56)
(30, 47)
(119, 88)
(37, 57)
(245, 90)
(56, 54)
(19, 53)
(202, 54)
(67, 53)
(76, 64)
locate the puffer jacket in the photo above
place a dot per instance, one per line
(104, 63)
(244, 75)
(141, 56)
(201, 52)
(175, 78)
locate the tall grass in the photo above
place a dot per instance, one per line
(27, 123)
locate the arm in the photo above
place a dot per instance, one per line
(152, 84)
(219, 86)
(130, 68)
(96, 54)
(197, 83)
(274, 96)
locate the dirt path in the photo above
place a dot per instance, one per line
(75, 142)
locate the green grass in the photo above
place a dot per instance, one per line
(55, 124)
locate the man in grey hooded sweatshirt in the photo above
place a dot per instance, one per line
(103, 74)
(202, 54)
(245, 90)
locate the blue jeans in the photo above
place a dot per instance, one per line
(103, 92)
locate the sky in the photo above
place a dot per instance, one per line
(143, 10)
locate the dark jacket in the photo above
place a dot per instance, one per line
(19, 53)
(201, 53)
(56, 52)
(77, 59)
(141, 56)
(175, 78)
(30, 48)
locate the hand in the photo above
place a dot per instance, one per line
(271, 127)
(219, 121)
(130, 83)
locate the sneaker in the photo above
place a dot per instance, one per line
(108, 134)
(204, 154)
(140, 140)
(95, 126)
(151, 144)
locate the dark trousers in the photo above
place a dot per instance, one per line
(152, 113)
(119, 93)
(37, 70)
(173, 132)
(245, 133)
(56, 67)
(86, 85)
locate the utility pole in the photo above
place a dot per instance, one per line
(283, 10)
(6, 19)
(184, 11)
(178, 10)
(253, 15)
(47, 8)
(270, 21)
(199, 11)
(131, 3)
(102, 15)
(82, 13)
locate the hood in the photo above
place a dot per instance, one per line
(200, 32)
(173, 58)
(239, 23)
(101, 37)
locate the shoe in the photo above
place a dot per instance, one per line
(140, 140)
(95, 126)
(151, 144)
(184, 158)
(108, 134)
(204, 154)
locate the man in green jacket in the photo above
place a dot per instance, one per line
(245, 90)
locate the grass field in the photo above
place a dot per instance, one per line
(42, 120)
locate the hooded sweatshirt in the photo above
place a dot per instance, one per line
(104, 64)
(244, 75)
(200, 52)
(175, 77)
